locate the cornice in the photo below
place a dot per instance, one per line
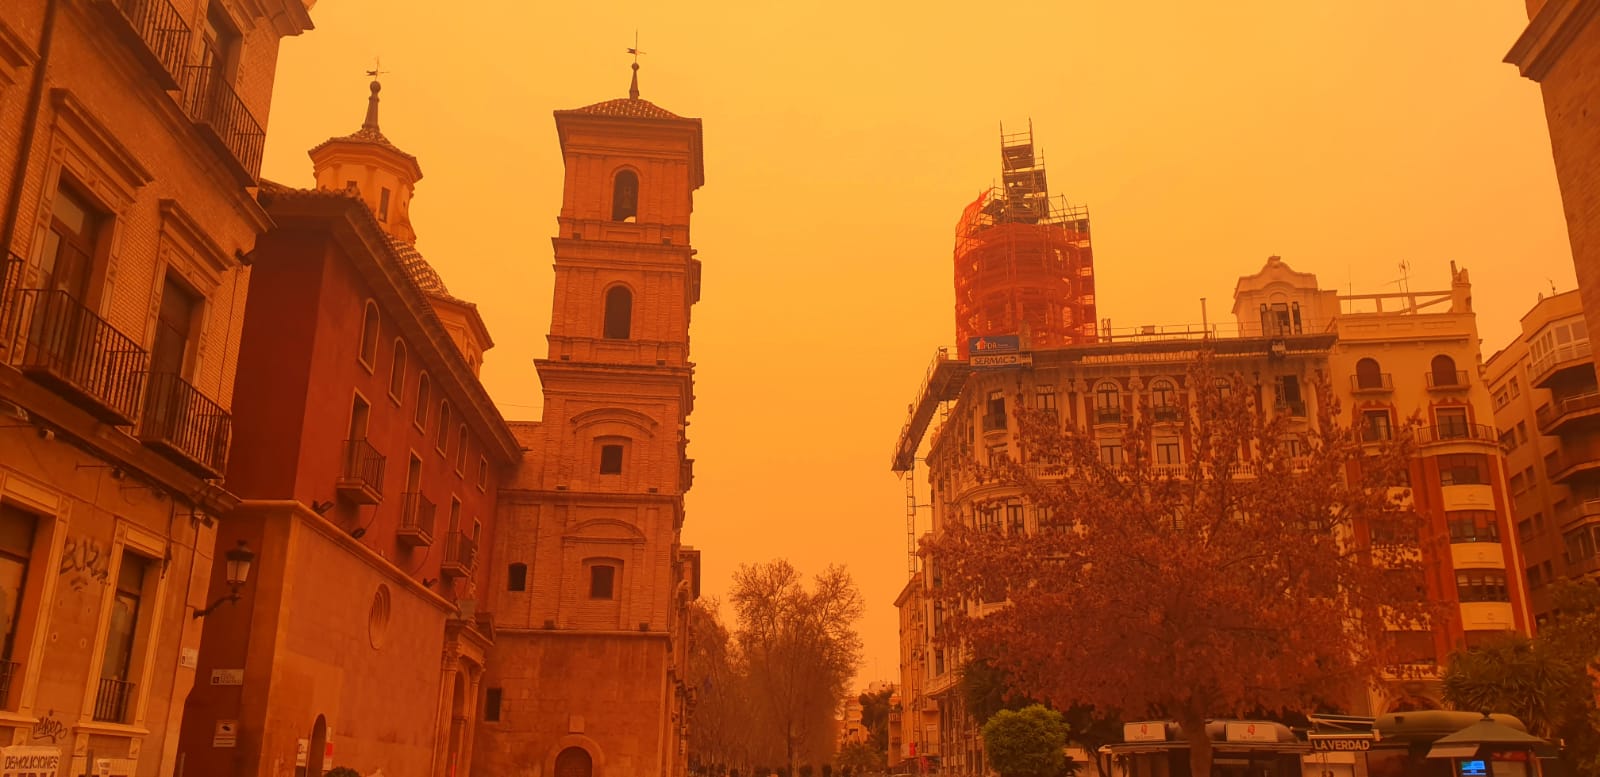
(1548, 35)
(15, 54)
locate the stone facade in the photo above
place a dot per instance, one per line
(587, 662)
(129, 135)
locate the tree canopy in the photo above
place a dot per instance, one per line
(1261, 572)
(1030, 742)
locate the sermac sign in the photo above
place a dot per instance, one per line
(29, 762)
(996, 351)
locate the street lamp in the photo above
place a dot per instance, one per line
(237, 568)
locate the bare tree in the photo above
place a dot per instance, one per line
(800, 649)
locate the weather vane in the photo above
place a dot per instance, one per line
(376, 71)
(635, 49)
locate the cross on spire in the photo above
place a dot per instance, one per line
(633, 88)
(376, 70)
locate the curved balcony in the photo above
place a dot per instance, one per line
(1447, 380)
(1451, 434)
(1578, 354)
(1569, 412)
(1381, 383)
(1566, 465)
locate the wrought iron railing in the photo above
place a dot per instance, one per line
(209, 99)
(1457, 432)
(416, 517)
(11, 275)
(161, 27)
(1292, 407)
(64, 341)
(460, 552)
(1165, 412)
(179, 417)
(1547, 415)
(1447, 379)
(363, 464)
(1108, 415)
(111, 702)
(1382, 381)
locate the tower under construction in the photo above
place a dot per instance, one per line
(1023, 262)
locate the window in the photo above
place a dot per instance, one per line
(1164, 400)
(1168, 453)
(1452, 422)
(483, 473)
(1535, 579)
(1107, 403)
(987, 518)
(360, 413)
(1580, 544)
(1045, 399)
(1472, 526)
(602, 581)
(369, 336)
(1014, 520)
(1369, 375)
(16, 548)
(619, 313)
(1525, 529)
(383, 205)
(443, 440)
(491, 705)
(1111, 454)
(625, 196)
(1516, 391)
(420, 417)
(1224, 388)
(1508, 439)
(69, 245)
(175, 325)
(611, 459)
(117, 665)
(1280, 318)
(397, 372)
(461, 449)
(1482, 585)
(1442, 371)
(1458, 469)
(1376, 425)
(1290, 400)
(517, 577)
(994, 412)
(1517, 486)
(219, 45)
(1522, 431)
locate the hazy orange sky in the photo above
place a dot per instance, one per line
(842, 140)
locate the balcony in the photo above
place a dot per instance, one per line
(1294, 408)
(211, 103)
(60, 343)
(111, 701)
(416, 520)
(1446, 380)
(1457, 433)
(1561, 413)
(460, 555)
(1562, 357)
(1565, 465)
(1164, 413)
(993, 422)
(185, 425)
(155, 32)
(361, 479)
(1381, 383)
(1108, 415)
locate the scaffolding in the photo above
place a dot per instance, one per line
(1023, 261)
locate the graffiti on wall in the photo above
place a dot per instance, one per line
(49, 728)
(85, 560)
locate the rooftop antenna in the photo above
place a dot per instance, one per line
(1405, 276)
(1552, 283)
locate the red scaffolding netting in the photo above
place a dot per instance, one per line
(1023, 261)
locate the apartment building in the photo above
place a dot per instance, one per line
(130, 139)
(1546, 406)
(1389, 357)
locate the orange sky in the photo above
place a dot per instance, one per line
(842, 140)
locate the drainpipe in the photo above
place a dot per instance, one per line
(30, 123)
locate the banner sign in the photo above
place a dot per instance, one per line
(993, 344)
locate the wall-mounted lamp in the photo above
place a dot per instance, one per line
(238, 571)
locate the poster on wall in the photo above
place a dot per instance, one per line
(30, 762)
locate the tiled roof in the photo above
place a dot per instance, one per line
(631, 108)
(368, 135)
(426, 278)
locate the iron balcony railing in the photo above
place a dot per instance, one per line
(460, 554)
(61, 342)
(9, 670)
(111, 702)
(1108, 415)
(209, 100)
(11, 274)
(1165, 412)
(1444, 433)
(993, 422)
(1447, 379)
(1292, 407)
(180, 419)
(1542, 365)
(1548, 415)
(1361, 384)
(161, 28)
(363, 465)
(416, 519)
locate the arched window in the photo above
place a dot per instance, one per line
(369, 336)
(444, 426)
(625, 196)
(397, 371)
(517, 577)
(619, 313)
(420, 418)
(1107, 403)
(1164, 400)
(1443, 372)
(461, 449)
(1369, 375)
(574, 762)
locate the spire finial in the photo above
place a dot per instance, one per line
(633, 87)
(371, 122)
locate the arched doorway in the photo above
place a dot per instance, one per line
(574, 762)
(318, 747)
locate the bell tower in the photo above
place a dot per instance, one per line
(590, 525)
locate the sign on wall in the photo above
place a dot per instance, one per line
(226, 735)
(993, 344)
(1147, 731)
(30, 762)
(227, 677)
(1250, 732)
